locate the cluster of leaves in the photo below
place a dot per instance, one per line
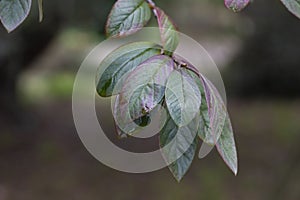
(144, 75)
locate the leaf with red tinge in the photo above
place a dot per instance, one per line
(293, 6)
(142, 91)
(135, 125)
(216, 111)
(204, 129)
(127, 17)
(236, 5)
(168, 33)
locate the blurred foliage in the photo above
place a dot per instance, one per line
(44, 88)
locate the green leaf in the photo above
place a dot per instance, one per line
(168, 32)
(183, 97)
(178, 145)
(143, 90)
(216, 111)
(13, 12)
(226, 146)
(120, 63)
(236, 5)
(293, 6)
(204, 129)
(127, 17)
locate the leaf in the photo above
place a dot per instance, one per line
(204, 129)
(216, 111)
(145, 98)
(226, 146)
(143, 90)
(120, 63)
(168, 32)
(127, 17)
(293, 6)
(13, 12)
(236, 5)
(183, 97)
(135, 125)
(178, 146)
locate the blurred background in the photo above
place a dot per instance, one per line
(257, 52)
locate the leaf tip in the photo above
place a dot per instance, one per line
(235, 170)
(177, 177)
(9, 28)
(292, 6)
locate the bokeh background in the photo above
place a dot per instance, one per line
(257, 52)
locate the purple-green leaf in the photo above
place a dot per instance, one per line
(135, 125)
(225, 144)
(236, 5)
(119, 63)
(216, 110)
(143, 90)
(168, 32)
(204, 129)
(293, 6)
(127, 17)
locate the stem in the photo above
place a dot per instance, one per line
(151, 3)
(185, 64)
(152, 7)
